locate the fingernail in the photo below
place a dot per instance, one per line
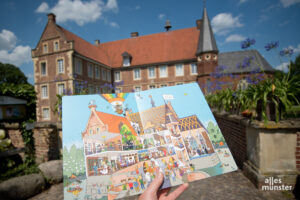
(160, 170)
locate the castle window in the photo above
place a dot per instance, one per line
(98, 90)
(56, 46)
(97, 72)
(207, 57)
(152, 86)
(117, 76)
(137, 89)
(179, 70)
(91, 89)
(126, 59)
(137, 74)
(78, 66)
(45, 48)
(60, 88)
(151, 72)
(44, 92)
(46, 113)
(43, 69)
(90, 71)
(60, 66)
(163, 85)
(163, 71)
(194, 69)
(108, 76)
(118, 90)
(104, 76)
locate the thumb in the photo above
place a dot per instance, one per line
(156, 183)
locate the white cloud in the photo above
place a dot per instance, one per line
(295, 49)
(242, 1)
(114, 24)
(161, 16)
(29, 75)
(18, 56)
(224, 23)
(79, 11)
(112, 5)
(138, 7)
(43, 8)
(9, 52)
(235, 38)
(8, 40)
(287, 3)
(283, 67)
(263, 18)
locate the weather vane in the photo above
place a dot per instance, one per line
(204, 3)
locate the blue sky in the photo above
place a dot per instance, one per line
(22, 23)
(186, 100)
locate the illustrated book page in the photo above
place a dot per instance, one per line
(112, 143)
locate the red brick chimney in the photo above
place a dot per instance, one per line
(51, 17)
(134, 34)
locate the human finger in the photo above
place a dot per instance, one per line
(156, 183)
(163, 192)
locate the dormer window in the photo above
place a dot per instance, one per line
(126, 59)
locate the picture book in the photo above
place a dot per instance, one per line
(112, 143)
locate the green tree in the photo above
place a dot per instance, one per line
(215, 133)
(11, 74)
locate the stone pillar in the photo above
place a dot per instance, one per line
(47, 141)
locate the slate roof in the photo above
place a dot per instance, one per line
(232, 59)
(207, 42)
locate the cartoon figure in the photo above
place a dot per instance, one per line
(116, 101)
(136, 185)
(130, 184)
(141, 182)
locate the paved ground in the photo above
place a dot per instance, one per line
(230, 186)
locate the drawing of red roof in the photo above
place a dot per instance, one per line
(113, 122)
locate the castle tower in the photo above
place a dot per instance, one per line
(207, 53)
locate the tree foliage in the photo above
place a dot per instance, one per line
(11, 74)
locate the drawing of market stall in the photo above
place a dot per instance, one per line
(106, 163)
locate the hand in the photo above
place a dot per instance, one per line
(152, 193)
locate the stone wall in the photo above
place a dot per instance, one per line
(263, 150)
(12, 130)
(47, 141)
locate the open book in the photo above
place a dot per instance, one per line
(113, 142)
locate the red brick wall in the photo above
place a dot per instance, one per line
(234, 133)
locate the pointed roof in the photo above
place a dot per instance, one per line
(207, 42)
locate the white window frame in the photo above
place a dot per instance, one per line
(90, 70)
(97, 72)
(54, 45)
(58, 88)
(42, 92)
(78, 66)
(103, 74)
(191, 69)
(108, 74)
(43, 111)
(91, 89)
(160, 74)
(149, 86)
(41, 65)
(118, 90)
(176, 72)
(126, 61)
(45, 48)
(58, 66)
(154, 73)
(137, 69)
(115, 76)
(137, 86)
